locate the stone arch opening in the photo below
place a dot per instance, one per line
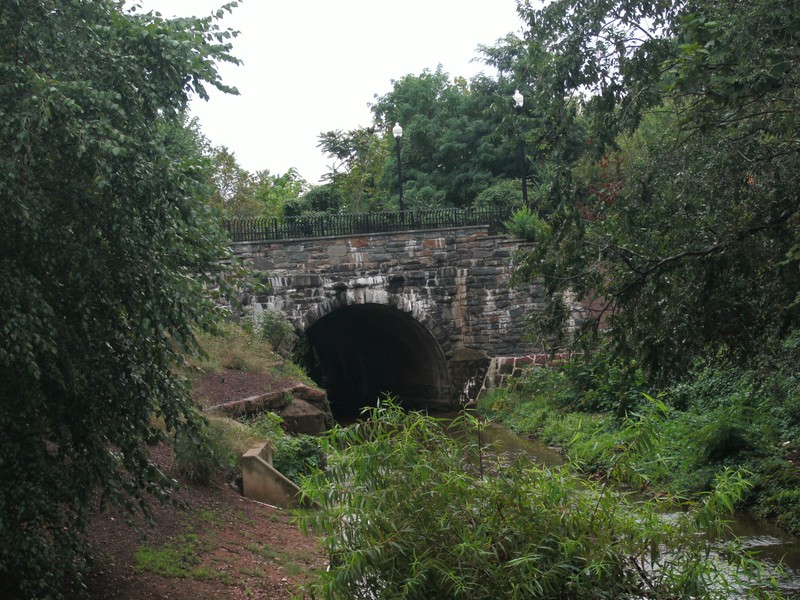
(359, 352)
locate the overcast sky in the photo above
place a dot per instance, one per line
(315, 65)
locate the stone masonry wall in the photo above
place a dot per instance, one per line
(454, 282)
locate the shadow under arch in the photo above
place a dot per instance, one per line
(359, 352)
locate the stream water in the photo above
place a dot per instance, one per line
(771, 544)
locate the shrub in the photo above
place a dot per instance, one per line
(297, 456)
(784, 504)
(294, 456)
(506, 193)
(405, 514)
(603, 382)
(524, 224)
(275, 328)
(217, 446)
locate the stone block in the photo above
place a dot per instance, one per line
(336, 252)
(261, 263)
(433, 243)
(302, 417)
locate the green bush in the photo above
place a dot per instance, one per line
(506, 193)
(526, 225)
(405, 514)
(730, 416)
(267, 425)
(294, 455)
(217, 447)
(297, 456)
(603, 382)
(784, 506)
(596, 382)
(275, 328)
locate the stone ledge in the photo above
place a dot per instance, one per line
(303, 413)
(503, 367)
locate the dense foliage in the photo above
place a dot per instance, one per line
(407, 513)
(722, 417)
(106, 260)
(682, 212)
(458, 141)
(451, 149)
(676, 223)
(241, 194)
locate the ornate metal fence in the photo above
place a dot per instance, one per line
(322, 224)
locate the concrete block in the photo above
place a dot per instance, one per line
(262, 482)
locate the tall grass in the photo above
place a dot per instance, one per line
(234, 346)
(721, 416)
(406, 514)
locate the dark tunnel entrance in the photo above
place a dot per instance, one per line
(360, 352)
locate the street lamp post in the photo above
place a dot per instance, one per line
(523, 164)
(397, 131)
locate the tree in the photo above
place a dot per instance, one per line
(359, 157)
(272, 194)
(240, 194)
(506, 193)
(233, 185)
(323, 198)
(553, 125)
(689, 243)
(450, 148)
(106, 257)
(460, 139)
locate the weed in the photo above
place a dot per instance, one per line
(719, 416)
(402, 511)
(537, 414)
(526, 225)
(289, 370)
(297, 456)
(180, 558)
(234, 347)
(221, 443)
(275, 328)
(252, 572)
(210, 517)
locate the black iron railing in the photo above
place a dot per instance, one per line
(322, 225)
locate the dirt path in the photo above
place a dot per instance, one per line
(217, 545)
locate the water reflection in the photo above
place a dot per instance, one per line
(773, 546)
(501, 439)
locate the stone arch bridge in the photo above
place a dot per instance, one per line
(416, 314)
